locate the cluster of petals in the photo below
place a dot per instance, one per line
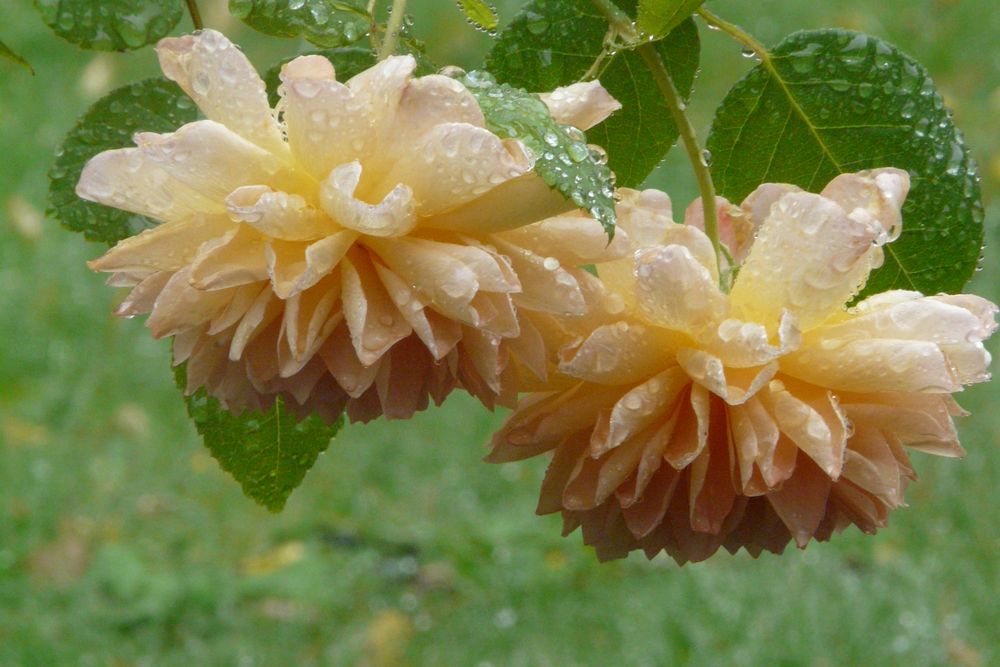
(359, 247)
(688, 419)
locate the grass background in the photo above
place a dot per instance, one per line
(122, 543)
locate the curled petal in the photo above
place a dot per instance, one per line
(167, 247)
(393, 216)
(582, 105)
(278, 214)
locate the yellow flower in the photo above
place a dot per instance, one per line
(698, 419)
(344, 250)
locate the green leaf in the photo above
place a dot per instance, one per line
(111, 25)
(325, 23)
(554, 43)
(658, 17)
(5, 52)
(833, 101)
(562, 157)
(153, 105)
(480, 14)
(347, 62)
(268, 453)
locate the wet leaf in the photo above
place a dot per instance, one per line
(347, 62)
(111, 25)
(326, 23)
(554, 43)
(658, 17)
(562, 157)
(5, 52)
(153, 105)
(833, 101)
(268, 453)
(480, 13)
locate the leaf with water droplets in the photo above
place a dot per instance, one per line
(562, 157)
(111, 25)
(268, 453)
(480, 14)
(326, 23)
(347, 62)
(153, 105)
(658, 17)
(828, 102)
(5, 52)
(554, 43)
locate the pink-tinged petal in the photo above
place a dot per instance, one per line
(126, 179)
(619, 353)
(374, 321)
(802, 500)
(811, 419)
(736, 232)
(439, 334)
(645, 216)
(871, 465)
(338, 354)
(224, 85)
(308, 320)
(394, 215)
(920, 421)
(647, 512)
(810, 257)
(167, 247)
(180, 307)
(143, 295)
(325, 122)
(238, 258)
(690, 434)
(570, 239)
(514, 203)
(452, 164)
(875, 366)
(711, 492)
(261, 314)
(880, 193)
(278, 214)
(243, 298)
(757, 206)
(640, 408)
(582, 105)
(674, 290)
(213, 160)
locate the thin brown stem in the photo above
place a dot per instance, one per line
(192, 6)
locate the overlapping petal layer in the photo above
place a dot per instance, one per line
(695, 419)
(339, 251)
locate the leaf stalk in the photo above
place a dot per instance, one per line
(624, 26)
(392, 29)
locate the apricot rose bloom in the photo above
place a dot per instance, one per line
(344, 250)
(697, 419)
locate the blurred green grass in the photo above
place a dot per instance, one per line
(122, 543)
